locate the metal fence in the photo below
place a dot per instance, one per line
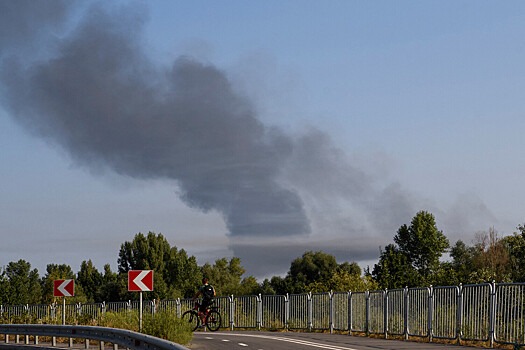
(490, 312)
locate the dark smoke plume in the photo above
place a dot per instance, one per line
(103, 100)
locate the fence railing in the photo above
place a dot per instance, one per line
(489, 312)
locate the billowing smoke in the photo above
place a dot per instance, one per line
(101, 99)
(99, 96)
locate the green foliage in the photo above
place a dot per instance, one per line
(394, 270)
(167, 325)
(415, 259)
(21, 284)
(422, 243)
(57, 272)
(91, 281)
(225, 276)
(312, 267)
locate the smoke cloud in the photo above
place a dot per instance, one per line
(102, 100)
(100, 97)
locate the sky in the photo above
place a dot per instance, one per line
(259, 130)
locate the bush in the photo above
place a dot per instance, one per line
(167, 325)
(163, 324)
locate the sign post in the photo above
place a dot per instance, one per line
(64, 288)
(140, 281)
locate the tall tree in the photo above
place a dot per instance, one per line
(91, 281)
(423, 244)
(491, 259)
(224, 275)
(110, 288)
(150, 252)
(22, 282)
(59, 272)
(182, 274)
(311, 267)
(516, 248)
(394, 269)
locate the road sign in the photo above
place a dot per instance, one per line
(140, 280)
(63, 288)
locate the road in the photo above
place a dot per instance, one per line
(306, 341)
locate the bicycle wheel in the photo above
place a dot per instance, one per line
(213, 320)
(192, 318)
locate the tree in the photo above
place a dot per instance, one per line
(182, 274)
(150, 252)
(224, 275)
(423, 244)
(309, 268)
(491, 259)
(110, 287)
(22, 284)
(394, 269)
(91, 281)
(59, 272)
(516, 249)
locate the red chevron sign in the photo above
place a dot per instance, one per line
(63, 288)
(140, 280)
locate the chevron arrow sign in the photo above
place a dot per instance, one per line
(63, 288)
(140, 280)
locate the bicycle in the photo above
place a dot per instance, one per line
(212, 318)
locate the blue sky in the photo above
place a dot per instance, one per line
(420, 102)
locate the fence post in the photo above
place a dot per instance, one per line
(405, 326)
(430, 312)
(367, 313)
(232, 312)
(259, 311)
(331, 295)
(286, 311)
(79, 310)
(178, 308)
(385, 313)
(459, 316)
(309, 307)
(350, 316)
(492, 313)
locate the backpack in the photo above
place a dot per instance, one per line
(207, 292)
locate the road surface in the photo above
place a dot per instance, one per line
(303, 341)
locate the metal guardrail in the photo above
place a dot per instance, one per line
(126, 339)
(489, 312)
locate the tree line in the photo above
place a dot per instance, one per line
(417, 257)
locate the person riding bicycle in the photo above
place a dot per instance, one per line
(208, 294)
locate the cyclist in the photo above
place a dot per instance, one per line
(208, 293)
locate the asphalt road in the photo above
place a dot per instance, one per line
(307, 341)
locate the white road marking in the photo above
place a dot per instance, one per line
(242, 344)
(290, 340)
(226, 340)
